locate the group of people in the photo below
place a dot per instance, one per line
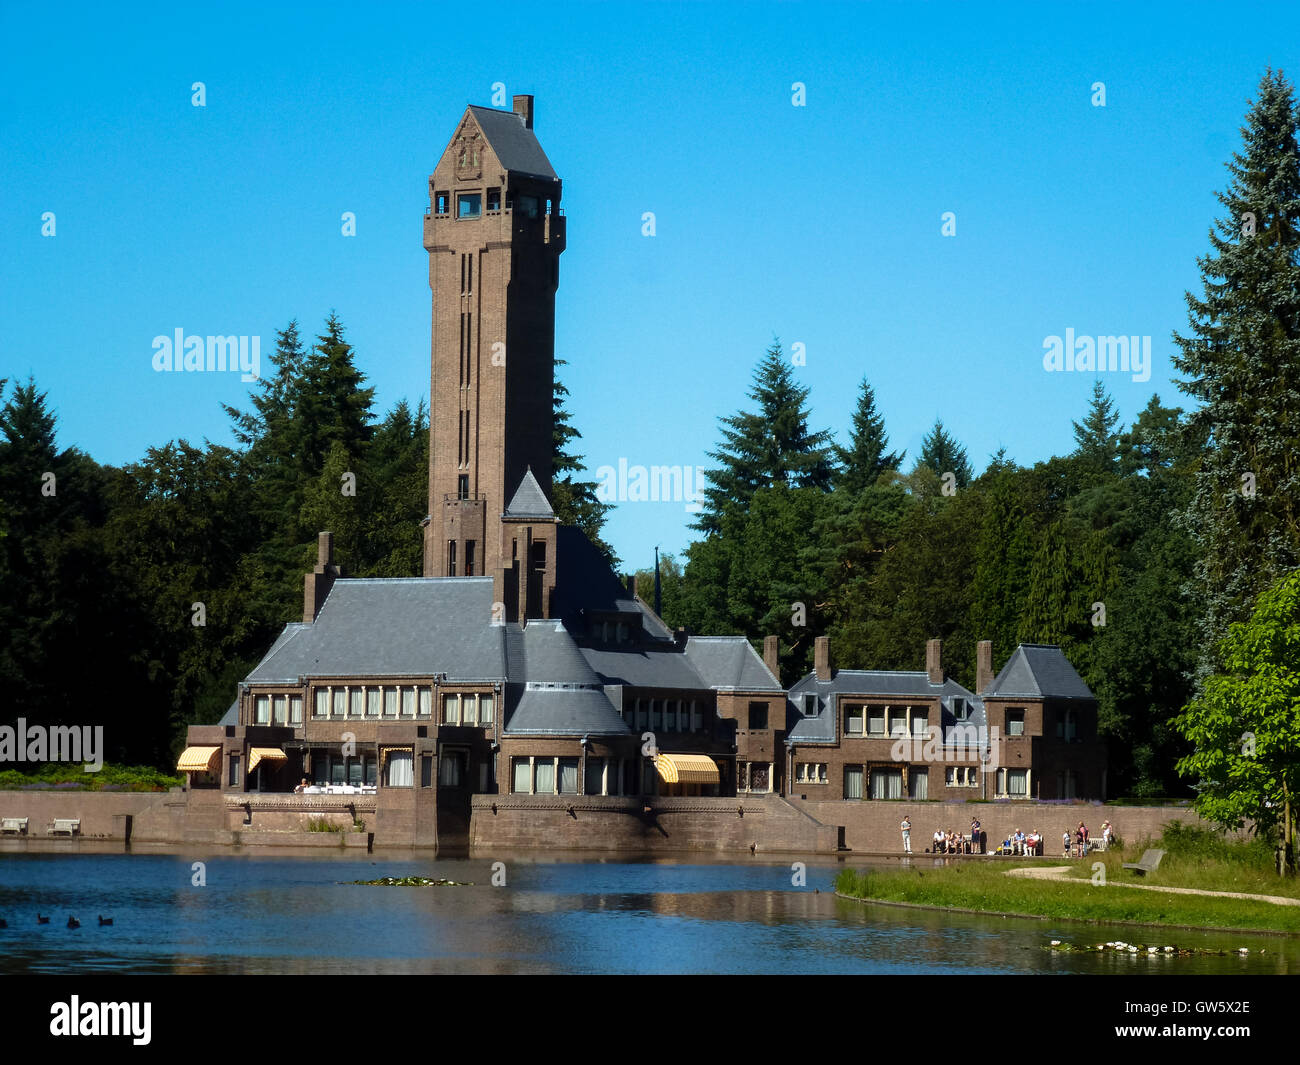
(947, 842)
(1018, 843)
(1015, 843)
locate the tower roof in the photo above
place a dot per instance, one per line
(516, 146)
(529, 500)
(1038, 671)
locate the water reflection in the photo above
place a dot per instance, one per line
(291, 913)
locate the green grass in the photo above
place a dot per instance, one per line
(323, 824)
(1200, 860)
(110, 777)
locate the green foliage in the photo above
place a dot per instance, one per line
(324, 824)
(573, 495)
(110, 777)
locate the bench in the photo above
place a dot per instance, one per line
(65, 826)
(16, 825)
(1149, 863)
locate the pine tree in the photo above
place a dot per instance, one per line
(1241, 359)
(942, 454)
(769, 447)
(866, 457)
(573, 495)
(1096, 438)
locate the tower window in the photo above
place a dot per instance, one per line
(469, 558)
(469, 204)
(451, 558)
(539, 554)
(527, 206)
(462, 486)
(442, 202)
(494, 199)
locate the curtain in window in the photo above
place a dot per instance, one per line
(469, 709)
(886, 783)
(451, 709)
(520, 774)
(322, 704)
(449, 771)
(279, 709)
(876, 721)
(340, 701)
(408, 702)
(1016, 782)
(920, 782)
(356, 699)
(262, 704)
(920, 722)
(295, 709)
(401, 773)
(853, 782)
(545, 776)
(485, 709)
(568, 776)
(595, 777)
(426, 702)
(373, 699)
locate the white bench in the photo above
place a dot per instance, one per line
(16, 825)
(65, 826)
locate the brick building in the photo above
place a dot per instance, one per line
(520, 665)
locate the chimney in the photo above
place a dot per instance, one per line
(316, 585)
(934, 660)
(524, 109)
(983, 666)
(630, 581)
(822, 657)
(680, 638)
(771, 651)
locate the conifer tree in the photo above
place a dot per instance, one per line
(573, 494)
(866, 457)
(942, 454)
(1241, 361)
(1096, 437)
(767, 447)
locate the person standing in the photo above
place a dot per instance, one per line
(907, 834)
(975, 847)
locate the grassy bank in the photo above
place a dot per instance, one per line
(1198, 860)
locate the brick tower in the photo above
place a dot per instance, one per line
(494, 234)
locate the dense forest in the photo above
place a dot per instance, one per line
(146, 592)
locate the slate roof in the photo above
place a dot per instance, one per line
(529, 500)
(393, 627)
(515, 145)
(643, 667)
(879, 684)
(730, 662)
(575, 706)
(1038, 671)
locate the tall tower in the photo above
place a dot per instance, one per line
(494, 233)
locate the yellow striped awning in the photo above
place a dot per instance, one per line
(257, 755)
(199, 760)
(687, 769)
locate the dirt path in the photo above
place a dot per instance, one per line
(1058, 872)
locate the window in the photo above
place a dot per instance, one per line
(527, 206)
(340, 701)
(390, 702)
(810, 704)
(642, 715)
(918, 781)
(961, 776)
(451, 771)
(355, 697)
(1016, 722)
(426, 702)
(810, 773)
(485, 709)
(494, 199)
(760, 776)
(399, 770)
(568, 776)
(408, 702)
(234, 770)
(426, 771)
(595, 782)
(451, 709)
(697, 717)
(670, 715)
(295, 709)
(373, 698)
(539, 554)
(1018, 783)
(321, 703)
(469, 558)
(521, 772)
(462, 482)
(897, 721)
(260, 706)
(757, 715)
(875, 721)
(1067, 726)
(920, 723)
(853, 720)
(356, 767)
(442, 202)
(960, 709)
(886, 783)
(657, 714)
(853, 781)
(544, 780)
(469, 204)
(279, 709)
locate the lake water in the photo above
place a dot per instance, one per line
(279, 913)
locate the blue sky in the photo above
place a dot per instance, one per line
(818, 224)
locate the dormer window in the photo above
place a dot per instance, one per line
(810, 704)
